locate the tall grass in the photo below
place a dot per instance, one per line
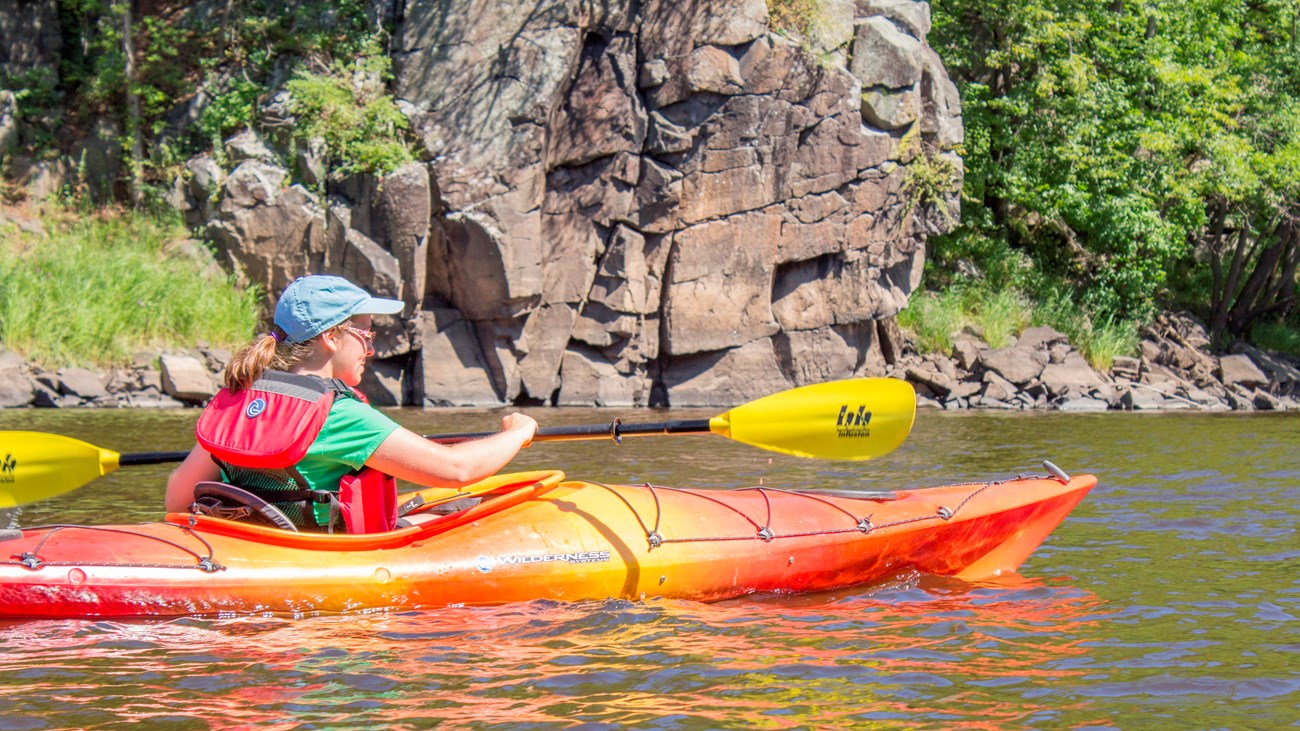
(936, 318)
(1100, 341)
(102, 288)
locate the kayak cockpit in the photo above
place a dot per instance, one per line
(481, 499)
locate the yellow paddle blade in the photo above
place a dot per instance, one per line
(854, 419)
(36, 466)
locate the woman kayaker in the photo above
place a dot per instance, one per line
(290, 429)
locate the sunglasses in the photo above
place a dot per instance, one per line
(367, 336)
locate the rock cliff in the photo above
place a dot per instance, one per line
(619, 202)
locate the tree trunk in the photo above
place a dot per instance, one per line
(133, 130)
(1268, 259)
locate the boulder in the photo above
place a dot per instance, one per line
(912, 16)
(890, 109)
(988, 402)
(1126, 367)
(731, 23)
(269, 234)
(1239, 399)
(883, 55)
(938, 383)
(81, 383)
(186, 379)
(1142, 399)
(45, 397)
(248, 145)
(941, 120)
(998, 388)
(15, 388)
(966, 350)
(965, 389)
(713, 70)
(1264, 401)
(925, 402)
(358, 258)
(1016, 364)
(1041, 337)
(254, 182)
(1281, 370)
(1072, 376)
(1082, 403)
(1240, 370)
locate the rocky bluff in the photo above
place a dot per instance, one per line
(623, 203)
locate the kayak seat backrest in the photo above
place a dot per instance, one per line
(221, 500)
(265, 483)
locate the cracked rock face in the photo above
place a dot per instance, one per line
(627, 203)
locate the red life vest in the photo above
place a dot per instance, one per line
(269, 426)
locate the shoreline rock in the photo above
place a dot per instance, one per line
(1040, 370)
(1174, 371)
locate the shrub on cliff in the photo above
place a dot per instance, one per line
(345, 105)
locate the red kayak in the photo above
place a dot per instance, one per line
(527, 536)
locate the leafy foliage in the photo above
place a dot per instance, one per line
(233, 107)
(1100, 136)
(1277, 336)
(360, 124)
(204, 72)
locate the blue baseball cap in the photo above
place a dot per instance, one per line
(313, 304)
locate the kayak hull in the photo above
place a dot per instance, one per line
(536, 536)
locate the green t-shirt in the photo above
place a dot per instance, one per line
(352, 432)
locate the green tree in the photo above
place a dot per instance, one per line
(1106, 142)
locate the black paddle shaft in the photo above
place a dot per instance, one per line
(615, 430)
(126, 460)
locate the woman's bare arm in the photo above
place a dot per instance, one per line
(409, 456)
(197, 467)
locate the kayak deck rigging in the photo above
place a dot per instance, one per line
(32, 560)
(493, 492)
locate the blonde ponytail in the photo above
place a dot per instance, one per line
(268, 351)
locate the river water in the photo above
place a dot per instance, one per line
(1170, 599)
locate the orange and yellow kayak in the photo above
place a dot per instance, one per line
(536, 535)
